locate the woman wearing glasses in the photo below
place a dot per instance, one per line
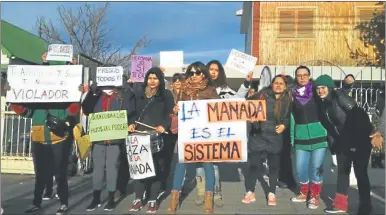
(197, 86)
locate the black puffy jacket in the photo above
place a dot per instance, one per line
(348, 125)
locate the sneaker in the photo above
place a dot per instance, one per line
(109, 206)
(152, 207)
(57, 196)
(271, 199)
(334, 210)
(137, 205)
(33, 209)
(94, 205)
(62, 210)
(299, 198)
(249, 198)
(313, 203)
(47, 197)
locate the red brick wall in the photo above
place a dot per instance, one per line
(256, 29)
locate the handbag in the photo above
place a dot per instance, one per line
(56, 125)
(156, 139)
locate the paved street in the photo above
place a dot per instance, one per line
(17, 194)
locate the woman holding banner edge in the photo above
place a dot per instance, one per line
(197, 86)
(219, 78)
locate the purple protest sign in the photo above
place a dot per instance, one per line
(139, 66)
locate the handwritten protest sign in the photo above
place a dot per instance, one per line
(109, 125)
(60, 52)
(241, 62)
(109, 76)
(215, 130)
(139, 66)
(36, 84)
(171, 58)
(140, 158)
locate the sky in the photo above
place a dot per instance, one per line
(203, 30)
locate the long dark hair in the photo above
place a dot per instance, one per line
(221, 80)
(160, 75)
(199, 66)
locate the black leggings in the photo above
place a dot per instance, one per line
(256, 170)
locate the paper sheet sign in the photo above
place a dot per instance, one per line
(109, 76)
(109, 125)
(60, 52)
(215, 130)
(241, 62)
(139, 67)
(141, 164)
(36, 84)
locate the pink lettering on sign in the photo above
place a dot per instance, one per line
(139, 66)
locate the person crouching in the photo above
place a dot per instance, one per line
(105, 154)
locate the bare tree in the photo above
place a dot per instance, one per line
(86, 28)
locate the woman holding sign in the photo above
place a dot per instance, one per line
(153, 106)
(266, 138)
(219, 78)
(105, 153)
(198, 86)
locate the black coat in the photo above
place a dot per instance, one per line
(262, 135)
(348, 126)
(157, 112)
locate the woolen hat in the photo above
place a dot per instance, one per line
(324, 80)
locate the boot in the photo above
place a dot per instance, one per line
(218, 200)
(96, 201)
(200, 188)
(208, 203)
(316, 189)
(340, 204)
(304, 189)
(174, 201)
(110, 202)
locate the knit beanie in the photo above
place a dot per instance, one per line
(324, 80)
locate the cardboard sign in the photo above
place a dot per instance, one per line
(139, 155)
(37, 84)
(109, 76)
(60, 52)
(109, 125)
(139, 67)
(207, 133)
(241, 62)
(172, 58)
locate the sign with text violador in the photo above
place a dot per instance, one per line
(38, 84)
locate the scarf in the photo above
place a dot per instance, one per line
(192, 87)
(150, 92)
(303, 93)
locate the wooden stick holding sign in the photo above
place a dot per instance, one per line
(148, 126)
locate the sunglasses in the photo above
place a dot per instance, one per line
(191, 73)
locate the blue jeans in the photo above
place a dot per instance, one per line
(303, 160)
(179, 173)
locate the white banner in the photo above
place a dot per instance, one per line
(210, 131)
(37, 84)
(109, 76)
(140, 158)
(60, 52)
(241, 62)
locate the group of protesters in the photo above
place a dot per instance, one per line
(304, 115)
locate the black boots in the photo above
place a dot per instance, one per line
(96, 201)
(110, 202)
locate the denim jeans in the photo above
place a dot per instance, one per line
(179, 173)
(304, 159)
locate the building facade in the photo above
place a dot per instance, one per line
(313, 33)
